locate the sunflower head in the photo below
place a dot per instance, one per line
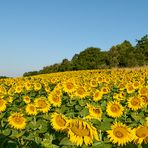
(59, 122)
(42, 104)
(135, 103)
(97, 95)
(141, 134)
(2, 105)
(31, 109)
(55, 99)
(81, 132)
(120, 134)
(17, 121)
(114, 109)
(94, 112)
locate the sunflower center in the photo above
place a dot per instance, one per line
(60, 121)
(69, 85)
(96, 94)
(130, 88)
(142, 132)
(32, 108)
(115, 108)
(18, 120)
(135, 102)
(1, 102)
(143, 91)
(145, 99)
(56, 99)
(80, 91)
(42, 103)
(120, 132)
(97, 111)
(80, 131)
(136, 84)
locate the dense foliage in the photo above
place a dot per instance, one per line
(80, 109)
(121, 55)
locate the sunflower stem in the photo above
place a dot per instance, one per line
(100, 135)
(34, 120)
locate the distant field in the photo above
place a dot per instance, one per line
(88, 109)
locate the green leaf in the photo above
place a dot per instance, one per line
(46, 143)
(84, 112)
(130, 146)
(65, 141)
(10, 144)
(101, 145)
(105, 125)
(6, 132)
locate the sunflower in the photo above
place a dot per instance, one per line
(55, 99)
(135, 103)
(94, 112)
(80, 132)
(31, 109)
(120, 134)
(3, 90)
(37, 86)
(59, 122)
(80, 92)
(26, 99)
(42, 104)
(130, 89)
(17, 121)
(141, 134)
(114, 109)
(97, 95)
(136, 84)
(143, 91)
(105, 90)
(145, 100)
(69, 86)
(18, 89)
(28, 85)
(2, 105)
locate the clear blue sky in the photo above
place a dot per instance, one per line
(37, 33)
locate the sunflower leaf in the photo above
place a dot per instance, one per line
(65, 141)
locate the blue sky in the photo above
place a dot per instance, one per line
(37, 33)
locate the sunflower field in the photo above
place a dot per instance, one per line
(79, 109)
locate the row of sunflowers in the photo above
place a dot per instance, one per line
(88, 109)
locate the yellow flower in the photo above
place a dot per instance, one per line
(94, 112)
(141, 134)
(120, 134)
(69, 86)
(31, 109)
(144, 100)
(97, 95)
(143, 91)
(2, 105)
(59, 122)
(42, 104)
(114, 109)
(130, 88)
(135, 103)
(17, 121)
(80, 132)
(28, 85)
(18, 89)
(105, 90)
(80, 92)
(55, 99)
(37, 86)
(26, 99)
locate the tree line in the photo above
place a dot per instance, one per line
(121, 55)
